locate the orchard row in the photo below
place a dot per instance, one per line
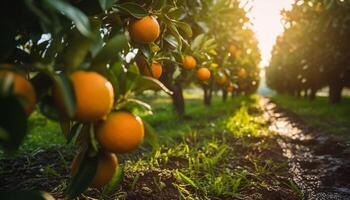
(85, 64)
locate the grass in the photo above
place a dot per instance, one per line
(222, 151)
(214, 151)
(319, 113)
(43, 134)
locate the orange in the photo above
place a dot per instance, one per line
(189, 62)
(145, 30)
(221, 79)
(23, 89)
(121, 132)
(93, 93)
(155, 72)
(107, 163)
(242, 73)
(203, 74)
(234, 51)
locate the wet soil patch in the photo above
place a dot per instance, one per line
(318, 161)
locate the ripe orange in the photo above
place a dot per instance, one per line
(155, 72)
(203, 74)
(145, 30)
(189, 62)
(122, 132)
(23, 89)
(242, 73)
(94, 96)
(107, 163)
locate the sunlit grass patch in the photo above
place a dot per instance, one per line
(244, 124)
(320, 113)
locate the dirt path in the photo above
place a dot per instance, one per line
(319, 163)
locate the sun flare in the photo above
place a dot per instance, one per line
(266, 22)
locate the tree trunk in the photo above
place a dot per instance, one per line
(312, 95)
(305, 95)
(178, 99)
(224, 95)
(335, 91)
(208, 92)
(207, 100)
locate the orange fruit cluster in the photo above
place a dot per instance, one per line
(118, 132)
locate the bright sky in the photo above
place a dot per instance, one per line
(266, 19)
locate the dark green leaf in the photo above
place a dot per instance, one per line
(132, 103)
(133, 9)
(13, 122)
(74, 131)
(151, 136)
(80, 20)
(48, 107)
(147, 83)
(110, 51)
(78, 46)
(170, 39)
(6, 85)
(82, 179)
(65, 88)
(185, 28)
(115, 73)
(106, 4)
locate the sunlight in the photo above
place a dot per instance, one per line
(266, 19)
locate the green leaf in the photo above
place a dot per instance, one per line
(48, 107)
(158, 5)
(186, 179)
(6, 85)
(173, 30)
(78, 46)
(133, 9)
(13, 123)
(65, 89)
(115, 73)
(148, 83)
(106, 4)
(85, 174)
(170, 39)
(110, 51)
(151, 136)
(146, 51)
(115, 181)
(80, 20)
(196, 43)
(132, 103)
(74, 131)
(185, 28)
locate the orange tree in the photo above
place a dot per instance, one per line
(313, 51)
(210, 53)
(82, 63)
(234, 59)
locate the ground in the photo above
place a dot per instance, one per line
(232, 150)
